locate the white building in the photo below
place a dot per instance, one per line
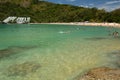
(9, 19)
(19, 20)
(22, 20)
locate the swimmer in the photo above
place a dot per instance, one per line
(115, 34)
(78, 28)
(63, 32)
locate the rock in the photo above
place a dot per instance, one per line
(5, 52)
(102, 73)
(22, 69)
(12, 50)
(96, 38)
(115, 55)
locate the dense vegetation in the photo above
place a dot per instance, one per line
(42, 11)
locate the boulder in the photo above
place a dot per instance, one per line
(102, 73)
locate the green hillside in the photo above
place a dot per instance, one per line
(20, 2)
(42, 11)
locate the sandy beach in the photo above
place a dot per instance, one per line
(86, 24)
(91, 24)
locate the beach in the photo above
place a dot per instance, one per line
(85, 24)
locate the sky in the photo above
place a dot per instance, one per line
(108, 5)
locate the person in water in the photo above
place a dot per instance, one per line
(115, 34)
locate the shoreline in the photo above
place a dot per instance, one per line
(86, 24)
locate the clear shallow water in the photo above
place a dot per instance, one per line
(61, 51)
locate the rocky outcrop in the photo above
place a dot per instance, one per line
(105, 73)
(102, 73)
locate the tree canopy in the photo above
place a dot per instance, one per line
(42, 11)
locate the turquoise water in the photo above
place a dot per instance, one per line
(54, 52)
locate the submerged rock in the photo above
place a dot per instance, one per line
(116, 52)
(116, 56)
(105, 73)
(95, 38)
(12, 50)
(5, 52)
(102, 73)
(22, 69)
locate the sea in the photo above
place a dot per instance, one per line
(55, 51)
